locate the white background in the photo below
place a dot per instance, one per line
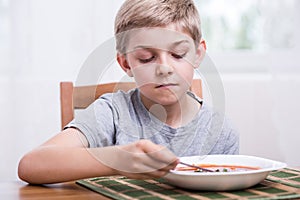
(47, 41)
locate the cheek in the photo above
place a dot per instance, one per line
(186, 73)
(144, 74)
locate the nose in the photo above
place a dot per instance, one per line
(164, 68)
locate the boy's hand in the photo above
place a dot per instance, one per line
(140, 160)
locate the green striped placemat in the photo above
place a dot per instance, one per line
(286, 176)
(281, 184)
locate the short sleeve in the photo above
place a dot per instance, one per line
(96, 122)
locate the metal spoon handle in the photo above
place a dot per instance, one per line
(201, 168)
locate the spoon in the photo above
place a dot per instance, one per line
(197, 167)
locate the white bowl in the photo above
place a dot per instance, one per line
(222, 181)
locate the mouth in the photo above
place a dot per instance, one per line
(166, 85)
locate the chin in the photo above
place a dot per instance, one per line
(166, 101)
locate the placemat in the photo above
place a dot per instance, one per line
(280, 184)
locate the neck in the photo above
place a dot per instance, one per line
(175, 115)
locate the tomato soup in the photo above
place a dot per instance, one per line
(218, 168)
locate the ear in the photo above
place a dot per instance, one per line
(121, 58)
(200, 53)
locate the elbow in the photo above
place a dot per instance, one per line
(25, 169)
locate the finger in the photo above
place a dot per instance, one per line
(157, 152)
(143, 163)
(170, 166)
(150, 174)
(164, 171)
(126, 161)
(155, 156)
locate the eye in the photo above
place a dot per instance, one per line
(146, 60)
(178, 56)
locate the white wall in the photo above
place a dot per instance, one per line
(265, 109)
(46, 42)
(49, 41)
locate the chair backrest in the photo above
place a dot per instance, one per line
(79, 97)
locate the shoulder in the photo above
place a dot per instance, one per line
(118, 97)
(119, 103)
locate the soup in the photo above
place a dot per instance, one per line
(218, 168)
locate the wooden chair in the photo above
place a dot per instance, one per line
(79, 97)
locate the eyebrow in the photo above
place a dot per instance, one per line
(177, 43)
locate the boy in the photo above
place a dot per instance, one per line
(141, 133)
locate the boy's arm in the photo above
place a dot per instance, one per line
(66, 157)
(62, 158)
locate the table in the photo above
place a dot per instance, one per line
(18, 190)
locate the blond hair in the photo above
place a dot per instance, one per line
(135, 14)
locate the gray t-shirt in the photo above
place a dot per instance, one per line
(121, 118)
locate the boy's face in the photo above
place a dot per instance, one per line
(162, 61)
